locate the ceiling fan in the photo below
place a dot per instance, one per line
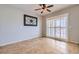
(44, 7)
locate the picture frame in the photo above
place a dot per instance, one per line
(30, 20)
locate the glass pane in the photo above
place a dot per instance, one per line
(57, 22)
(48, 23)
(48, 32)
(52, 23)
(58, 32)
(64, 33)
(52, 31)
(63, 21)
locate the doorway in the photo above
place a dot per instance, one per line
(57, 27)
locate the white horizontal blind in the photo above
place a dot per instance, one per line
(57, 26)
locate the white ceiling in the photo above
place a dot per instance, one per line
(31, 7)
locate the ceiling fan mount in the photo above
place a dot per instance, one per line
(44, 7)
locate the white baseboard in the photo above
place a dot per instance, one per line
(66, 41)
(15, 42)
(10, 42)
(74, 42)
(28, 39)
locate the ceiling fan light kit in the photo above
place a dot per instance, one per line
(44, 7)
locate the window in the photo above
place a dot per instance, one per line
(57, 26)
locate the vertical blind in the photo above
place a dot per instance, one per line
(57, 26)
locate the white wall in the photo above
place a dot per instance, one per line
(12, 28)
(73, 22)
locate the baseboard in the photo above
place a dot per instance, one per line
(65, 41)
(30, 39)
(8, 43)
(74, 42)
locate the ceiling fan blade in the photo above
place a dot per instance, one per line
(41, 12)
(38, 9)
(50, 6)
(48, 10)
(40, 4)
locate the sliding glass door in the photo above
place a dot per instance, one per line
(57, 27)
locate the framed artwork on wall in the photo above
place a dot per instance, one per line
(30, 20)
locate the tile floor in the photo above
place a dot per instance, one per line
(40, 46)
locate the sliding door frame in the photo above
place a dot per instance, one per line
(60, 28)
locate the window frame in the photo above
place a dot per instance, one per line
(59, 16)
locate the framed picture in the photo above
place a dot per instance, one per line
(30, 20)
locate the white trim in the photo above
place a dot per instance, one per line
(74, 42)
(49, 18)
(28, 39)
(10, 42)
(4, 44)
